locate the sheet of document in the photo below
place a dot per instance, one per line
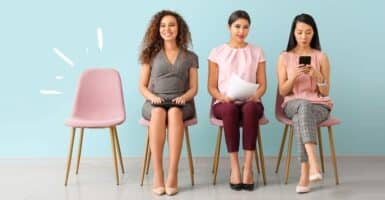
(240, 89)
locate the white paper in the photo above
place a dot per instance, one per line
(240, 89)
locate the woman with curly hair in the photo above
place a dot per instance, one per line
(168, 82)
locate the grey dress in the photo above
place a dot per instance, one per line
(169, 81)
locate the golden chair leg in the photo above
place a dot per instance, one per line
(288, 157)
(113, 142)
(282, 146)
(80, 149)
(261, 156)
(118, 149)
(69, 155)
(216, 152)
(146, 144)
(321, 153)
(219, 139)
(189, 156)
(333, 154)
(257, 160)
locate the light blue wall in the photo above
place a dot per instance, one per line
(351, 32)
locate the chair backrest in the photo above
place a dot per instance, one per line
(99, 95)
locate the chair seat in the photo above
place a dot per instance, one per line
(218, 122)
(92, 123)
(188, 122)
(331, 121)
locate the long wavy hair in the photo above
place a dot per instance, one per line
(307, 19)
(152, 42)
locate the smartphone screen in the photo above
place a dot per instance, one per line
(304, 60)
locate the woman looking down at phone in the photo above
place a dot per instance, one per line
(168, 82)
(303, 75)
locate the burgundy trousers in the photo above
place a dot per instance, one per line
(234, 116)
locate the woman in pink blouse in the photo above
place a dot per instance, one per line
(304, 83)
(237, 57)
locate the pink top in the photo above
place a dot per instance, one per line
(242, 62)
(304, 86)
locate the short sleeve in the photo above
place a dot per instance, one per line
(194, 60)
(213, 55)
(261, 56)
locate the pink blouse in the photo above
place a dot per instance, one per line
(242, 62)
(304, 86)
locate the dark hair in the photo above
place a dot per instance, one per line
(239, 14)
(307, 19)
(153, 42)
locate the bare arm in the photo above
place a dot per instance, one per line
(324, 78)
(261, 77)
(212, 83)
(143, 84)
(284, 85)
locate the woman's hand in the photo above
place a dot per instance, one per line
(299, 70)
(314, 73)
(225, 99)
(254, 98)
(179, 100)
(155, 99)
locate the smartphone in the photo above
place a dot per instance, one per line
(304, 60)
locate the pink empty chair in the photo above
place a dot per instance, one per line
(331, 121)
(217, 122)
(147, 151)
(98, 103)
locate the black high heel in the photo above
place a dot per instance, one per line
(249, 187)
(235, 186)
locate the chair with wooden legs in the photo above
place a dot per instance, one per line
(98, 103)
(329, 123)
(147, 151)
(260, 163)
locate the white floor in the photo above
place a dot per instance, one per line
(361, 178)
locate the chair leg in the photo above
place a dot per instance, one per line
(113, 142)
(148, 159)
(70, 155)
(215, 153)
(118, 149)
(321, 153)
(80, 149)
(333, 154)
(216, 157)
(257, 160)
(146, 144)
(288, 157)
(189, 155)
(281, 148)
(261, 156)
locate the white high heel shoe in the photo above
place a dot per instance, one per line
(302, 189)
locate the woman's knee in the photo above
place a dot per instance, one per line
(253, 109)
(229, 109)
(158, 112)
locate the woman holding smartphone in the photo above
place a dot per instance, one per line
(168, 74)
(237, 57)
(304, 80)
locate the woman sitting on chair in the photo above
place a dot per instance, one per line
(303, 76)
(237, 57)
(168, 82)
